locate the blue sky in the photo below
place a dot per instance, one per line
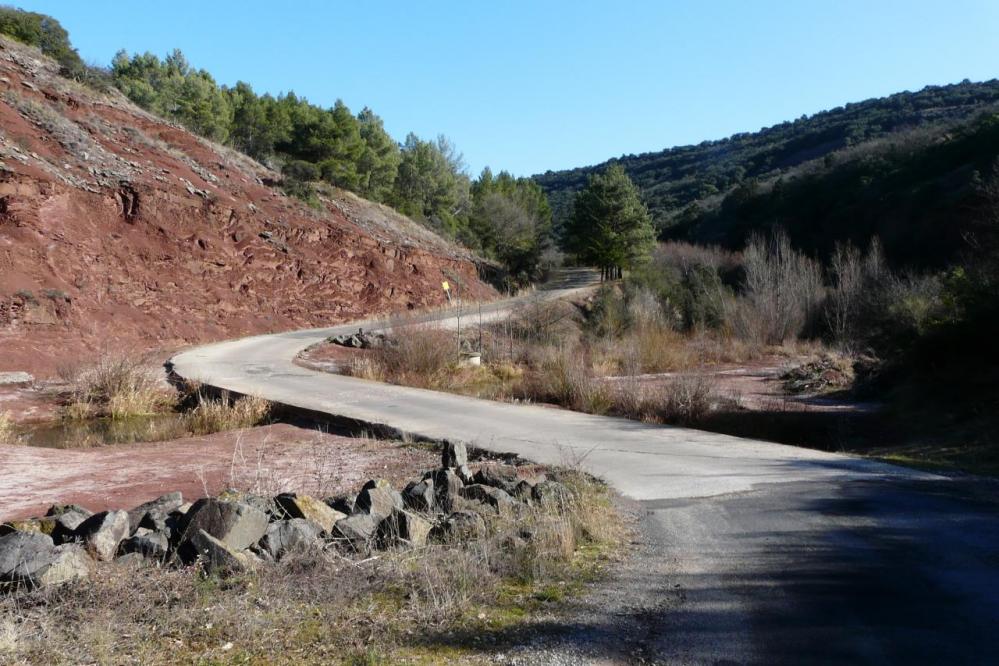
(531, 86)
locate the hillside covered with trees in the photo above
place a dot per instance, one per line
(847, 173)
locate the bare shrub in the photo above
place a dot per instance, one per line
(563, 377)
(417, 356)
(684, 400)
(782, 291)
(853, 274)
(118, 386)
(215, 415)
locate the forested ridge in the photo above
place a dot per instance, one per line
(852, 159)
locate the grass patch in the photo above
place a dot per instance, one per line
(224, 413)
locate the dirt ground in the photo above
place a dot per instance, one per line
(267, 459)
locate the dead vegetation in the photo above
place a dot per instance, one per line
(7, 433)
(116, 386)
(320, 606)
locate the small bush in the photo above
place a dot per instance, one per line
(563, 377)
(118, 387)
(683, 400)
(417, 356)
(217, 415)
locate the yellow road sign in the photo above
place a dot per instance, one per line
(446, 286)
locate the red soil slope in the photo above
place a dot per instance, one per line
(121, 230)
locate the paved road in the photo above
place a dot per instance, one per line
(752, 552)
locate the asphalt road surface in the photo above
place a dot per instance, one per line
(750, 552)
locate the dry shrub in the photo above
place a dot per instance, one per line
(7, 432)
(216, 415)
(417, 356)
(117, 386)
(682, 400)
(652, 348)
(783, 291)
(563, 376)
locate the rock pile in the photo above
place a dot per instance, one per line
(236, 531)
(359, 340)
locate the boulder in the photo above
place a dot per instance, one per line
(235, 524)
(31, 558)
(67, 518)
(403, 528)
(465, 474)
(46, 525)
(102, 532)
(497, 499)
(447, 488)
(551, 494)
(342, 503)
(355, 531)
(214, 555)
(286, 535)
(524, 491)
(454, 455)
(459, 526)
(378, 499)
(157, 510)
(149, 544)
(133, 560)
(498, 476)
(309, 508)
(419, 496)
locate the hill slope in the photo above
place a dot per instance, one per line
(119, 229)
(680, 184)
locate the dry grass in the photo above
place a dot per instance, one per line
(682, 400)
(116, 386)
(563, 376)
(215, 415)
(7, 432)
(317, 606)
(419, 355)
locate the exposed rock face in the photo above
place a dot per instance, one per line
(238, 526)
(309, 508)
(102, 532)
(120, 215)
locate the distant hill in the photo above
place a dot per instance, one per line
(886, 156)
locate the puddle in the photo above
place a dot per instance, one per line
(91, 433)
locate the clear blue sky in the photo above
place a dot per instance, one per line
(537, 85)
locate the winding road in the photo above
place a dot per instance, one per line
(750, 552)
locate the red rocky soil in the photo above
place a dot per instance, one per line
(119, 230)
(265, 460)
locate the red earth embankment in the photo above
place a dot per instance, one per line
(119, 230)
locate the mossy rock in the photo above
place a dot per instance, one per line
(41, 525)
